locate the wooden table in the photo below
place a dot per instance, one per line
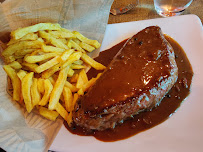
(145, 10)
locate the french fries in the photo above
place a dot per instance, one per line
(52, 40)
(22, 53)
(76, 46)
(17, 34)
(62, 34)
(47, 66)
(93, 43)
(29, 37)
(75, 98)
(86, 46)
(47, 48)
(21, 74)
(15, 64)
(15, 82)
(40, 85)
(27, 83)
(51, 115)
(48, 87)
(91, 62)
(62, 111)
(82, 79)
(39, 58)
(58, 88)
(68, 98)
(11, 49)
(35, 94)
(71, 86)
(87, 85)
(66, 54)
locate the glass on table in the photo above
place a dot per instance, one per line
(171, 7)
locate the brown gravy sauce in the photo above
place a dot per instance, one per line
(148, 119)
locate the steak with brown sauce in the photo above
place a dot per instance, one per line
(137, 79)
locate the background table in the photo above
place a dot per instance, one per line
(145, 10)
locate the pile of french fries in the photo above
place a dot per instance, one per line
(47, 67)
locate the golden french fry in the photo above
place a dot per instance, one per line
(82, 79)
(77, 67)
(48, 73)
(16, 65)
(16, 85)
(66, 54)
(75, 98)
(74, 78)
(21, 74)
(72, 58)
(15, 82)
(52, 40)
(87, 85)
(70, 72)
(75, 46)
(39, 58)
(11, 49)
(61, 110)
(41, 40)
(71, 86)
(69, 44)
(76, 41)
(78, 62)
(47, 48)
(65, 30)
(27, 37)
(35, 94)
(26, 86)
(69, 119)
(51, 79)
(51, 115)
(9, 59)
(30, 66)
(17, 34)
(30, 37)
(43, 50)
(61, 34)
(92, 62)
(82, 38)
(58, 88)
(40, 85)
(68, 98)
(80, 92)
(24, 52)
(83, 75)
(48, 87)
(47, 64)
(12, 41)
(35, 52)
(86, 47)
(63, 40)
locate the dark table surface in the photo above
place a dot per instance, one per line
(145, 10)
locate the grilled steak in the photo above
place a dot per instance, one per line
(137, 79)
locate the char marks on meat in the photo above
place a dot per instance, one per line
(137, 79)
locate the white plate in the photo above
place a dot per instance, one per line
(184, 130)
